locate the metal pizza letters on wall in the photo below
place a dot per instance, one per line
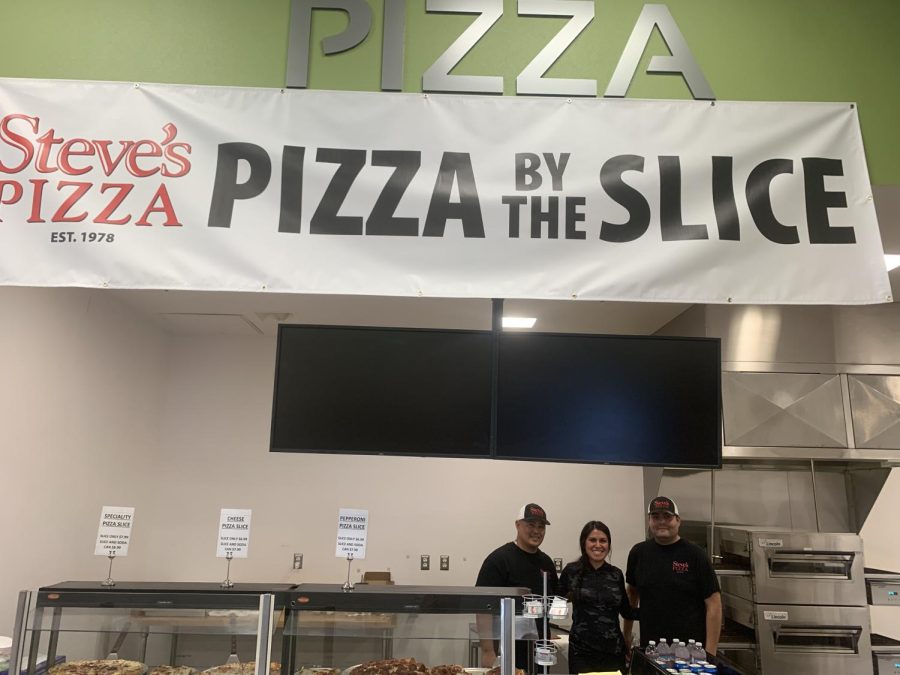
(530, 81)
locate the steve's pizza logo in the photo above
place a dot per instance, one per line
(106, 181)
(679, 567)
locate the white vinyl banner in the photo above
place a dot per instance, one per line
(211, 188)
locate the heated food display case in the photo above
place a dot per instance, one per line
(328, 627)
(156, 628)
(258, 629)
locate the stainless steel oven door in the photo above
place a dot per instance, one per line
(805, 640)
(809, 569)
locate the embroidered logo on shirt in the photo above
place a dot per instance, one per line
(679, 567)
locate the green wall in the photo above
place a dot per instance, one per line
(777, 50)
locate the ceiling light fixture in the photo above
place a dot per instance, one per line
(519, 321)
(891, 261)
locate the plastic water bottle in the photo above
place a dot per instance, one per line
(650, 652)
(682, 653)
(673, 653)
(699, 653)
(664, 652)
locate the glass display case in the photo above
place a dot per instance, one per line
(326, 626)
(192, 625)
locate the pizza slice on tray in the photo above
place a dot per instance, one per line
(99, 667)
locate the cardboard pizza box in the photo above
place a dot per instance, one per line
(382, 578)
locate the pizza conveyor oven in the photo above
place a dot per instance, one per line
(803, 594)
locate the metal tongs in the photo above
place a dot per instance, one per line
(233, 657)
(114, 652)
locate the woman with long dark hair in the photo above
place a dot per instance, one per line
(596, 588)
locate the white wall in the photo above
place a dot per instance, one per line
(102, 408)
(80, 379)
(215, 433)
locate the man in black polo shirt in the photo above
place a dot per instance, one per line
(673, 582)
(519, 563)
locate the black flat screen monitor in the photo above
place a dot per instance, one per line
(382, 391)
(609, 399)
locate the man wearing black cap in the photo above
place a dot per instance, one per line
(673, 582)
(519, 563)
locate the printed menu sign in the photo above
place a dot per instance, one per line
(353, 525)
(114, 532)
(234, 533)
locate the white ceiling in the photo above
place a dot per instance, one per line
(258, 314)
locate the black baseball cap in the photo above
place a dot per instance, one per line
(533, 512)
(663, 504)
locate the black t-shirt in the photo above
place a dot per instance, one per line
(511, 566)
(674, 582)
(598, 598)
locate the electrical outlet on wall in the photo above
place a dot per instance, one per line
(425, 562)
(298, 561)
(557, 563)
(445, 562)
